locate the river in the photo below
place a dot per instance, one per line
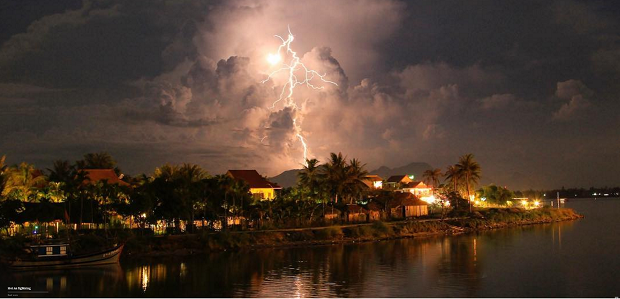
(569, 259)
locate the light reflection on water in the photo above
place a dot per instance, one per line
(551, 260)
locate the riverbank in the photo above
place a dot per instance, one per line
(484, 219)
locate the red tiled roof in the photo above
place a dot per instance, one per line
(405, 199)
(253, 179)
(95, 175)
(373, 178)
(370, 179)
(417, 184)
(396, 178)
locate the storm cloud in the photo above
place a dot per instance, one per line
(183, 81)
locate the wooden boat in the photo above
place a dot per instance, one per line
(58, 256)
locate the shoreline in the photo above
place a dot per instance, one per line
(184, 245)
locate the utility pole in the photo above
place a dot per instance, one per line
(558, 199)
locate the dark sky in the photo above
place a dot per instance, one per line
(530, 87)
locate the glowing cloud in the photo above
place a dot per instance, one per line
(297, 74)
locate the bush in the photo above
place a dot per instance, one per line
(329, 233)
(381, 229)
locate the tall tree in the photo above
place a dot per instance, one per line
(101, 160)
(4, 176)
(334, 171)
(61, 171)
(353, 180)
(453, 176)
(188, 188)
(23, 182)
(310, 177)
(431, 176)
(469, 171)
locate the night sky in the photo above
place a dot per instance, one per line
(531, 88)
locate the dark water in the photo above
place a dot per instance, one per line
(570, 259)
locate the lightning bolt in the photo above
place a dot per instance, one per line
(298, 74)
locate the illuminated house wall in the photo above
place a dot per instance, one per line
(418, 189)
(259, 186)
(373, 181)
(263, 193)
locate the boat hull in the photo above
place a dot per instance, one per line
(101, 258)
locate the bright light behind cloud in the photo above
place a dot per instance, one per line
(273, 58)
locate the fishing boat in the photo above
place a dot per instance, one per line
(57, 256)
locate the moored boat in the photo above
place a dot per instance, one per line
(56, 256)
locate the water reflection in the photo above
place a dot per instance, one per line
(69, 282)
(518, 262)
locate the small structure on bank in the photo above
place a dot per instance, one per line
(375, 211)
(355, 213)
(331, 214)
(405, 205)
(260, 187)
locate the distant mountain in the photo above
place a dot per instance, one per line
(286, 179)
(415, 168)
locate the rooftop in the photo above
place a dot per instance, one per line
(95, 175)
(253, 179)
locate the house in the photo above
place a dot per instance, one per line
(405, 205)
(355, 213)
(397, 181)
(418, 188)
(374, 211)
(260, 187)
(373, 181)
(109, 175)
(332, 214)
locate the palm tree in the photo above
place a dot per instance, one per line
(453, 176)
(431, 176)
(188, 188)
(353, 180)
(102, 160)
(166, 172)
(55, 192)
(62, 171)
(334, 172)
(3, 175)
(23, 182)
(310, 176)
(469, 171)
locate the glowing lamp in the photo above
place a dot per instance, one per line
(428, 199)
